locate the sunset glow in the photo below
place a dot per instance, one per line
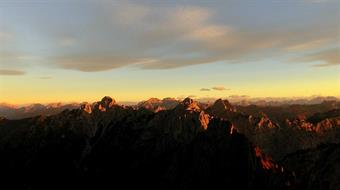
(61, 51)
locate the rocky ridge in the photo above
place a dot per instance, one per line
(106, 144)
(186, 147)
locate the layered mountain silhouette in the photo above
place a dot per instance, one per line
(167, 144)
(155, 104)
(14, 112)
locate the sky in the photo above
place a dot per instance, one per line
(82, 50)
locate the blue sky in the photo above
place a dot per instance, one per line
(82, 50)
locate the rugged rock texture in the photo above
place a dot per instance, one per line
(157, 105)
(182, 148)
(259, 129)
(316, 168)
(104, 145)
(280, 114)
(301, 134)
(222, 105)
(280, 138)
(86, 107)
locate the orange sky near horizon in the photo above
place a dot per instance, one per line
(61, 51)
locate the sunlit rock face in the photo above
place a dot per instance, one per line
(86, 108)
(327, 124)
(187, 147)
(152, 104)
(319, 128)
(280, 138)
(222, 106)
(190, 105)
(181, 148)
(280, 113)
(258, 129)
(183, 122)
(106, 103)
(156, 105)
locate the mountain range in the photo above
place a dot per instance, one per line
(289, 108)
(171, 144)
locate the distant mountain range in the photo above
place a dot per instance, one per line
(171, 144)
(154, 104)
(272, 101)
(15, 112)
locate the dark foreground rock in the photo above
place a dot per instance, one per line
(316, 168)
(114, 147)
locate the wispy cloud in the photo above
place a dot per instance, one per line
(164, 36)
(11, 72)
(205, 89)
(310, 45)
(219, 88)
(91, 63)
(234, 96)
(330, 57)
(172, 37)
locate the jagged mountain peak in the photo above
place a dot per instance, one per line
(178, 140)
(106, 103)
(187, 101)
(107, 100)
(86, 107)
(153, 100)
(155, 104)
(190, 104)
(223, 105)
(222, 108)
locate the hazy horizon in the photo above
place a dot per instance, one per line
(231, 98)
